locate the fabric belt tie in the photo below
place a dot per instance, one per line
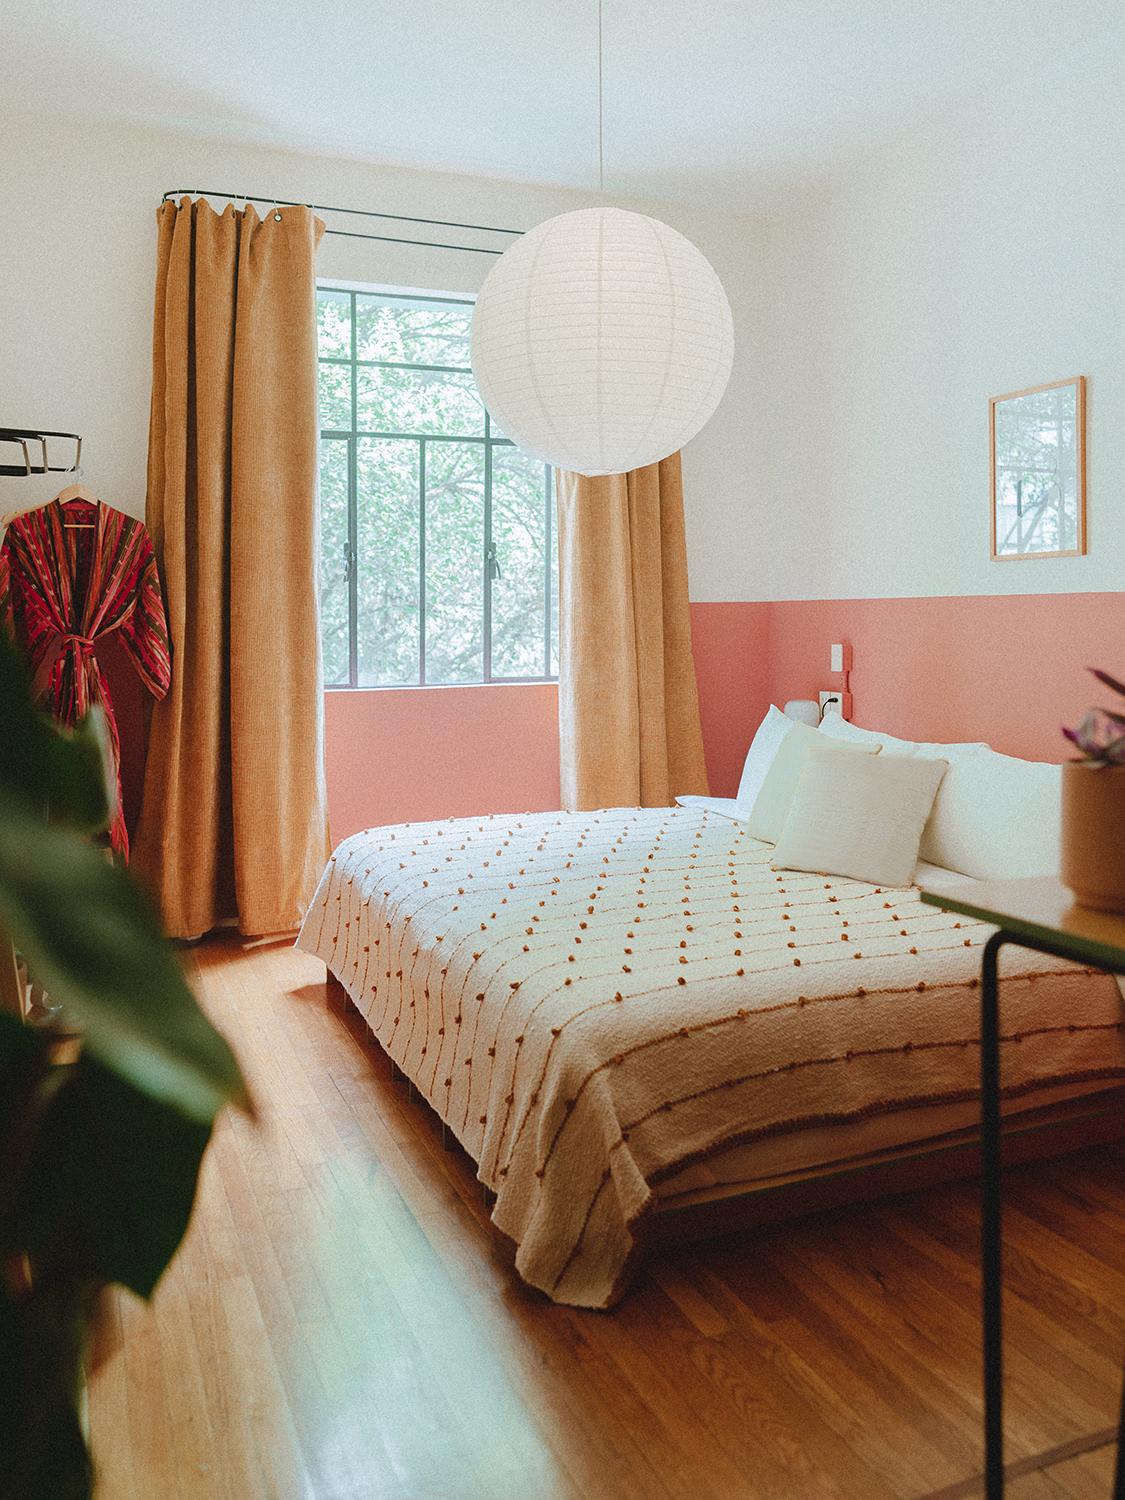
(78, 642)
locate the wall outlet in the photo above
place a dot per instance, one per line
(835, 701)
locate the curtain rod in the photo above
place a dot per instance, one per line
(350, 234)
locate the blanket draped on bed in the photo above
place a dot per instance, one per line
(593, 1001)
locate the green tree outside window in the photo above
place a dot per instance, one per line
(439, 559)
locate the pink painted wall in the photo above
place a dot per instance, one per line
(1007, 669)
(731, 645)
(404, 755)
(398, 755)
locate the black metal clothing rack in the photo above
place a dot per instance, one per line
(25, 438)
(174, 193)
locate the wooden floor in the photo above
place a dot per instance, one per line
(340, 1326)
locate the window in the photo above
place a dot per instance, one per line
(439, 560)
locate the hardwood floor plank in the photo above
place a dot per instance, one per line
(826, 1384)
(108, 1390)
(943, 1414)
(756, 1400)
(1089, 1477)
(343, 1324)
(1068, 1392)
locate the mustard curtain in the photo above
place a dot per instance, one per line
(629, 730)
(234, 817)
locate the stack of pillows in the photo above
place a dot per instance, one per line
(848, 801)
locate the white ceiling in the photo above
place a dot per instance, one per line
(705, 100)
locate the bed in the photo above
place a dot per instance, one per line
(630, 1015)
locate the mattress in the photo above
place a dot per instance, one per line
(596, 1002)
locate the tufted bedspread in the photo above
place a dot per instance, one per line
(593, 1001)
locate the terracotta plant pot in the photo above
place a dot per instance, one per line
(1093, 834)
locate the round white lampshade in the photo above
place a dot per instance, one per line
(602, 341)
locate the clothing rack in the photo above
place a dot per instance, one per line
(173, 193)
(24, 437)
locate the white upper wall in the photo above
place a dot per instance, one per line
(78, 259)
(873, 320)
(981, 257)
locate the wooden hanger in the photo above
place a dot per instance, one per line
(77, 494)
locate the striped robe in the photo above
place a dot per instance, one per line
(62, 586)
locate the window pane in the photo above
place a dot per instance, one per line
(414, 333)
(333, 556)
(335, 398)
(333, 323)
(398, 365)
(418, 401)
(388, 561)
(454, 562)
(519, 539)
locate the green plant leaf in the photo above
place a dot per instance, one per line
(91, 938)
(106, 1186)
(51, 769)
(43, 1452)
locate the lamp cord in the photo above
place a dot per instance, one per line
(601, 158)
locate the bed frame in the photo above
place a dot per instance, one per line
(1053, 1130)
(1091, 1119)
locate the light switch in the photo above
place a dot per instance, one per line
(841, 657)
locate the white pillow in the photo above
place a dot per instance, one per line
(771, 806)
(840, 729)
(858, 815)
(996, 818)
(833, 726)
(932, 750)
(767, 742)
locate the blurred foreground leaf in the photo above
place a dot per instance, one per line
(108, 1180)
(49, 768)
(92, 940)
(101, 1134)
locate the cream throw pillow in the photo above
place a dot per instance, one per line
(772, 803)
(859, 816)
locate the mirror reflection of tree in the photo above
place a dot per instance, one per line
(1037, 440)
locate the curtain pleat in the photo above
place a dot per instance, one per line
(629, 730)
(234, 818)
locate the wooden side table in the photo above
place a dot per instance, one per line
(1040, 914)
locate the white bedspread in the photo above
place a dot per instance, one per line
(593, 1001)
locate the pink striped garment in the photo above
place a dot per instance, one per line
(69, 574)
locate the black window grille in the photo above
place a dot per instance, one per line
(439, 559)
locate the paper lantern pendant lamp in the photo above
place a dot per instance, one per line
(601, 341)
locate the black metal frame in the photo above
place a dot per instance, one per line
(22, 437)
(991, 1243)
(174, 193)
(352, 436)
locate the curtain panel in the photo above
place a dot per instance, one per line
(234, 817)
(629, 732)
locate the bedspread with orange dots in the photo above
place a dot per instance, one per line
(594, 1001)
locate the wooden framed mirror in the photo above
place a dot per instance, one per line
(1037, 439)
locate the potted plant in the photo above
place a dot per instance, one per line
(106, 1113)
(1093, 808)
